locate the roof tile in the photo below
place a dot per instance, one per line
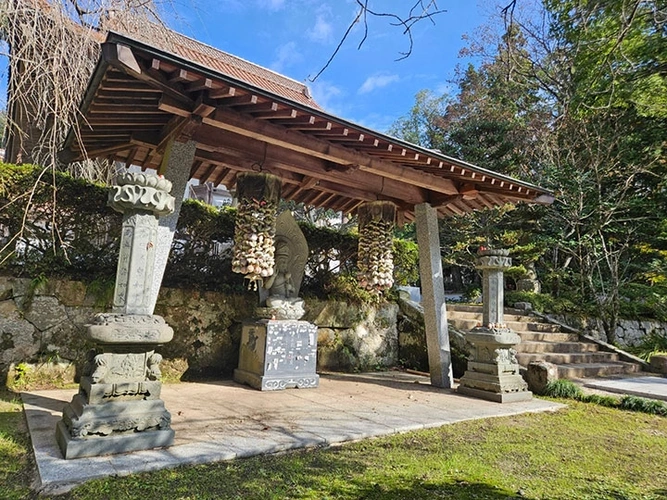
(217, 60)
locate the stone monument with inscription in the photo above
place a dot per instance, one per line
(278, 350)
(118, 407)
(493, 370)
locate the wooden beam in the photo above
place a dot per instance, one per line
(298, 121)
(121, 57)
(272, 134)
(241, 100)
(126, 109)
(437, 200)
(180, 75)
(469, 191)
(222, 93)
(203, 107)
(259, 106)
(218, 179)
(195, 166)
(173, 106)
(333, 132)
(281, 114)
(285, 160)
(98, 153)
(208, 173)
(126, 86)
(130, 156)
(203, 84)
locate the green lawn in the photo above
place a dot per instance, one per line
(583, 452)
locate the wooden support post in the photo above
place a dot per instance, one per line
(433, 297)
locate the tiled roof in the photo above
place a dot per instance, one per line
(209, 57)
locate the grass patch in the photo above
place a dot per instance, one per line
(41, 376)
(567, 389)
(583, 452)
(16, 466)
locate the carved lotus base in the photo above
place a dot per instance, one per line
(127, 329)
(88, 430)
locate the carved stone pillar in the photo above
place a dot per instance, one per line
(118, 407)
(493, 370)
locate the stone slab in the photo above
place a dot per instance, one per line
(95, 446)
(645, 387)
(224, 420)
(497, 397)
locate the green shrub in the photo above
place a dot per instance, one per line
(650, 344)
(639, 301)
(608, 401)
(406, 262)
(634, 403)
(563, 388)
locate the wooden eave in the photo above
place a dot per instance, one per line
(141, 98)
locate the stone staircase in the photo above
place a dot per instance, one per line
(575, 356)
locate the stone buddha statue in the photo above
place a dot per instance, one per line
(279, 295)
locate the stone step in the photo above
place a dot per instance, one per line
(548, 337)
(585, 370)
(520, 327)
(565, 347)
(561, 358)
(478, 309)
(517, 326)
(477, 316)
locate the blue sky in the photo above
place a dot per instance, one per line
(296, 38)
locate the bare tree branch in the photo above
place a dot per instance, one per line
(421, 10)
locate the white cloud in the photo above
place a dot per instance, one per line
(286, 55)
(326, 95)
(322, 31)
(377, 81)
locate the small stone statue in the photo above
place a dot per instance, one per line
(280, 292)
(280, 284)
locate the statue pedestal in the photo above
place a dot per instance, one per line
(118, 408)
(278, 354)
(493, 370)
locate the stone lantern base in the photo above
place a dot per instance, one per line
(278, 354)
(493, 370)
(118, 408)
(88, 429)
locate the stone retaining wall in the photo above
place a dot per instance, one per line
(628, 332)
(46, 321)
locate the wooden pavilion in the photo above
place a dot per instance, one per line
(160, 100)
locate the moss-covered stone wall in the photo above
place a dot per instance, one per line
(44, 320)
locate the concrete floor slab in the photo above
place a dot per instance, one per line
(646, 387)
(224, 420)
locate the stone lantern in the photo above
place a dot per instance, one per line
(118, 408)
(493, 370)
